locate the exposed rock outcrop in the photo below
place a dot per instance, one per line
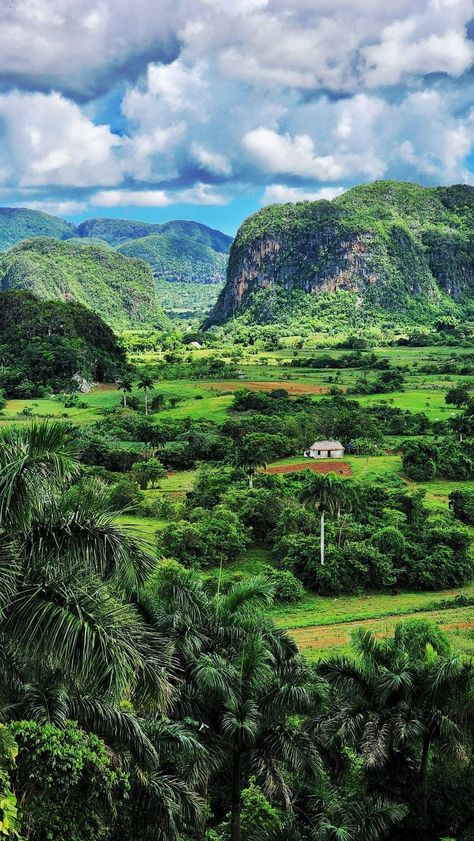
(386, 241)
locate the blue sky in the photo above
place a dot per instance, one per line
(210, 109)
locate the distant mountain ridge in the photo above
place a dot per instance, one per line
(178, 258)
(179, 250)
(19, 223)
(118, 231)
(390, 246)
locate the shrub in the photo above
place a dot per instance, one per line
(76, 792)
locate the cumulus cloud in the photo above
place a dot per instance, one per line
(334, 44)
(209, 99)
(49, 140)
(82, 48)
(282, 154)
(199, 194)
(212, 161)
(403, 52)
(68, 207)
(277, 153)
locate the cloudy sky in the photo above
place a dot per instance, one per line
(209, 109)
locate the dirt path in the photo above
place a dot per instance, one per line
(326, 637)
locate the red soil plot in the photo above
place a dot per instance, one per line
(270, 385)
(342, 468)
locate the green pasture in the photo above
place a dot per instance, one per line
(54, 407)
(430, 401)
(321, 641)
(322, 610)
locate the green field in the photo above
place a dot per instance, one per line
(317, 623)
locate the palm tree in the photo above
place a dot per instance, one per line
(390, 700)
(125, 385)
(66, 569)
(343, 818)
(242, 679)
(252, 452)
(323, 494)
(73, 643)
(146, 383)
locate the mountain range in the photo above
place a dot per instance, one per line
(387, 252)
(112, 266)
(389, 247)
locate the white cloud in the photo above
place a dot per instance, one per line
(277, 153)
(79, 47)
(235, 90)
(130, 198)
(49, 141)
(296, 155)
(333, 44)
(401, 53)
(212, 161)
(69, 207)
(282, 194)
(176, 84)
(201, 194)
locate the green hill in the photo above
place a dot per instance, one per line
(201, 233)
(120, 289)
(50, 345)
(118, 231)
(179, 250)
(18, 223)
(387, 247)
(175, 257)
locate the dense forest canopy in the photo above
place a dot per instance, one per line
(50, 345)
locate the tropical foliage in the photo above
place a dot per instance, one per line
(50, 346)
(141, 702)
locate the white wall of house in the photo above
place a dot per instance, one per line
(324, 453)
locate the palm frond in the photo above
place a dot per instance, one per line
(80, 529)
(33, 461)
(118, 727)
(252, 594)
(82, 627)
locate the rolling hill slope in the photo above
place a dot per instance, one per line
(18, 224)
(174, 257)
(118, 288)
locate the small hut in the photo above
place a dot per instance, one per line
(325, 449)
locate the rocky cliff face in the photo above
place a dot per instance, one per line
(386, 241)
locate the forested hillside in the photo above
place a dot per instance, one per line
(180, 258)
(177, 251)
(117, 231)
(393, 247)
(120, 289)
(19, 223)
(52, 345)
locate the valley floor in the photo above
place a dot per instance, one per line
(319, 625)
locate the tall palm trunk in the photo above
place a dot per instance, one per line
(146, 401)
(425, 757)
(236, 806)
(322, 538)
(251, 480)
(124, 400)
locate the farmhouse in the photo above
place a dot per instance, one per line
(325, 449)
